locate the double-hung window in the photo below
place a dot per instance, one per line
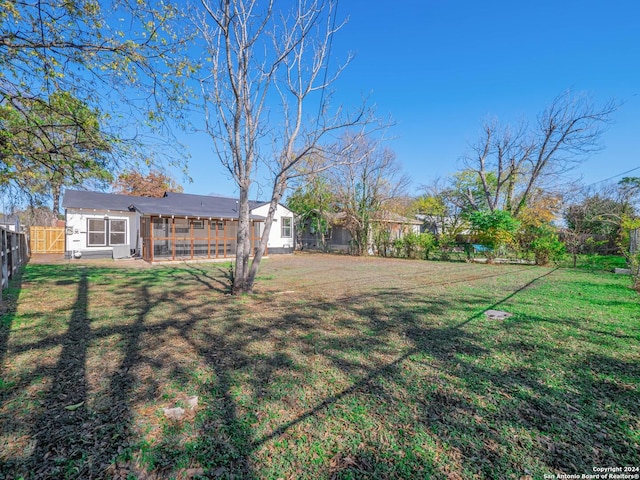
(286, 227)
(117, 232)
(99, 230)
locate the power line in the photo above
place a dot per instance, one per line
(612, 177)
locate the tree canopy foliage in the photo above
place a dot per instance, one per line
(153, 184)
(314, 204)
(51, 143)
(85, 68)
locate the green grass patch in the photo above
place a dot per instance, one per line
(337, 367)
(604, 263)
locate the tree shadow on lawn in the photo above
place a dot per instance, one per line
(73, 439)
(525, 417)
(72, 432)
(10, 297)
(277, 373)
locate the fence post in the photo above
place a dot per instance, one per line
(1, 269)
(13, 253)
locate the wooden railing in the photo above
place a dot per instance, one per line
(14, 252)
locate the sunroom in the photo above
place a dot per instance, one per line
(170, 238)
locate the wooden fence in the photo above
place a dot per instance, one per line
(13, 253)
(47, 239)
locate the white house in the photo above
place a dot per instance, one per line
(177, 226)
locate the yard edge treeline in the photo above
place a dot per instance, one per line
(512, 188)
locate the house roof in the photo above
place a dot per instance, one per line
(9, 220)
(171, 204)
(97, 200)
(390, 217)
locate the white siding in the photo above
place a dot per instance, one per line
(77, 224)
(276, 239)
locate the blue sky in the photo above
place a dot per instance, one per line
(438, 68)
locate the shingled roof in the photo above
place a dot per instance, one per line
(178, 204)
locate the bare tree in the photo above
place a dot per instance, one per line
(362, 188)
(513, 163)
(267, 100)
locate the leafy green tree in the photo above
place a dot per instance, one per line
(470, 190)
(429, 205)
(106, 58)
(53, 143)
(495, 229)
(312, 203)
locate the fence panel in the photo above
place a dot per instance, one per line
(47, 239)
(13, 253)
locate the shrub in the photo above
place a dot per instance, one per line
(546, 246)
(382, 242)
(398, 247)
(446, 244)
(426, 243)
(410, 244)
(495, 229)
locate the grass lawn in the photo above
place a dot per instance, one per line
(338, 367)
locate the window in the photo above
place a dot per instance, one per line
(286, 227)
(101, 229)
(117, 232)
(161, 227)
(96, 231)
(181, 226)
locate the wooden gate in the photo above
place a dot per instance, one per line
(47, 239)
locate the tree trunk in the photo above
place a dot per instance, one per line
(55, 190)
(242, 252)
(264, 239)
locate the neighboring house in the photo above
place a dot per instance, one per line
(397, 225)
(435, 224)
(339, 238)
(11, 223)
(177, 226)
